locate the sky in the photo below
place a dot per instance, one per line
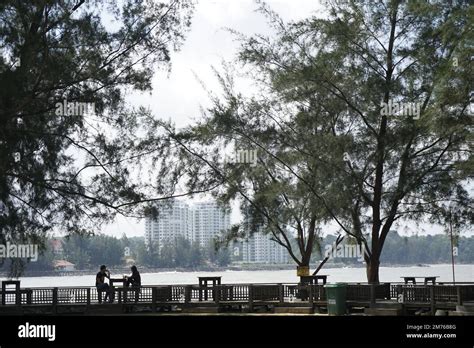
(179, 94)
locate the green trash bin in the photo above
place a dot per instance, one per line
(336, 297)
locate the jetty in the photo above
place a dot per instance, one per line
(303, 298)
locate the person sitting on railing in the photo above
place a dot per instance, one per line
(101, 285)
(135, 281)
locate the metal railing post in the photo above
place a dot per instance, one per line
(250, 287)
(154, 295)
(432, 300)
(372, 295)
(55, 300)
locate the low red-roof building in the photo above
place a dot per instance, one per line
(63, 265)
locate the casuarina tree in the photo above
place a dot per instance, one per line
(70, 145)
(362, 115)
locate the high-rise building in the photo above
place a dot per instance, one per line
(209, 221)
(204, 221)
(259, 248)
(174, 219)
(200, 223)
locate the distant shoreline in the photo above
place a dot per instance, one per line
(244, 267)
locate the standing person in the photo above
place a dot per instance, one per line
(135, 281)
(100, 283)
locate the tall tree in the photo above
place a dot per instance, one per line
(398, 166)
(265, 163)
(374, 96)
(68, 140)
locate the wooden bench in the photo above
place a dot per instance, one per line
(412, 279)
(313, 279)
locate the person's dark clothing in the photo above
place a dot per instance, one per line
(103, 287)
(134, 279)
(99, 278)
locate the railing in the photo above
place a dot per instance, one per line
(239, 293)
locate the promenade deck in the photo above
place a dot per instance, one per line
(232, 298)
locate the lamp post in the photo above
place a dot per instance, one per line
(452, 243)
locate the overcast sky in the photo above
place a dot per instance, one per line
(179, 95)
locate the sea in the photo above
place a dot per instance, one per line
(462, 273)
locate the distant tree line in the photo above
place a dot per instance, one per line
(88, 252)
(429, 249)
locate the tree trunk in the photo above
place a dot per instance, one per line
(373, 270)
(303, 269)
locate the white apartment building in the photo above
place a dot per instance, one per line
(175, 219)
(259, 248)
(209, 221)
(200, 222)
